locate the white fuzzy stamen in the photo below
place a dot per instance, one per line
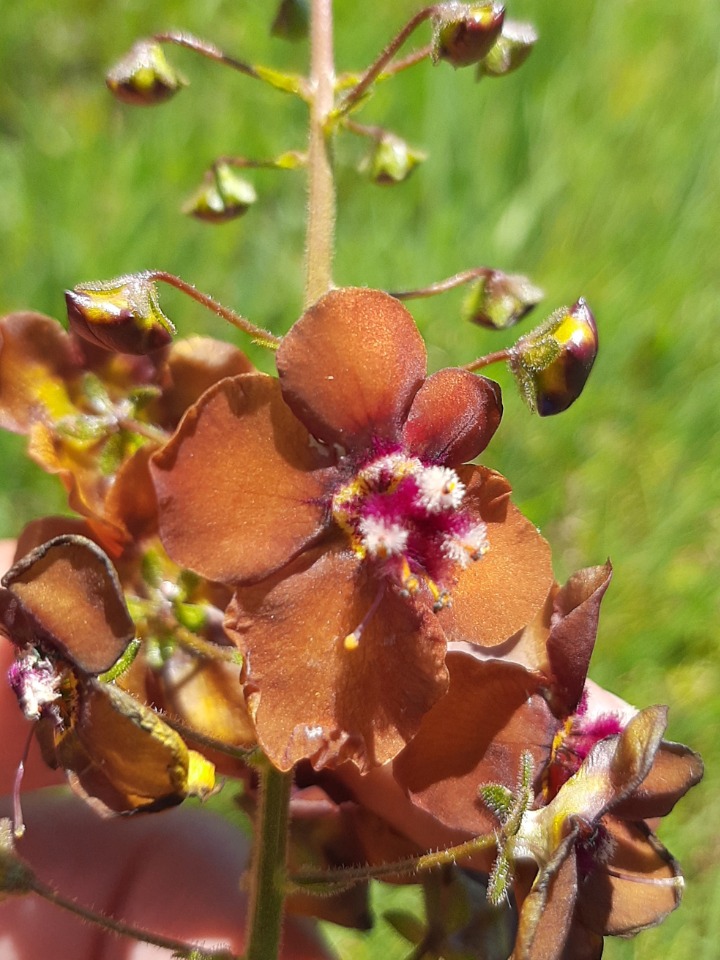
(467, 548)
(382, 539)
(440, 489)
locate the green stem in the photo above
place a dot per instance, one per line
(268, 887)
(321, 181)
(428, 861)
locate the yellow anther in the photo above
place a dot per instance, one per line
(351, 641)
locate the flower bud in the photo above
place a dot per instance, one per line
(392, 161)
(510, 50)
(552, 363)
(500, 300)
(222, 196)
(292, 20)
(144, 77)
(122, 315)
(465, 32)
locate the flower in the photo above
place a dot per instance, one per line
(63, 609)
(335, 500)
(92, 416)
(600, 869)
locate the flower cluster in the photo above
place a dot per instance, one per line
(309, 578)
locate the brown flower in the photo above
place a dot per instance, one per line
(334, 500)
(64, 611)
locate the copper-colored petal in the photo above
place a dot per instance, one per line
(675, 769)
(193, 366)
(312, 698)
(351, 366)
(130, 504)
(475, 735)
(637, 889)
(79, 472)
(547, 911)
(35, 358)
(240, 485)
(71, 593)
(504, 590)
(453, 417)
(573, 629)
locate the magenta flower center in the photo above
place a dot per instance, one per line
(407, 519)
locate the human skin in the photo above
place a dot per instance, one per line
(176, 873)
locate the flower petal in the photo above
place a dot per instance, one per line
(72, 598)
(675, 769)
(573, 629)
(312, 698)
(193, 365)
(453, 417)
(546, 913)
(502, 591)
(36, 356)
(475, 735)
(239, 486)
(640, 886)
(351, 366)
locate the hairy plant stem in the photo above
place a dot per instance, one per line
(321, 182)
(268, 881)
(269, 868)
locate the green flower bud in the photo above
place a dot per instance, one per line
(122, 314)
(510, 50)
(392, 161)
(292, 20)
(500, 300)
(222, 196)
(552, 363)
(465, 32)
(144, 77)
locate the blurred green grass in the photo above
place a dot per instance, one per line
(594, 170)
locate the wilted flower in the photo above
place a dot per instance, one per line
(63, 609)
(392, 161)
(224, 195)
(340, 511)
(500, 300)
(144, 76)
(510, 50)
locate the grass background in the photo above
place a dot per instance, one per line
(594, 170)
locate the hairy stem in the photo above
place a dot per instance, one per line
(267, 894)
(321, 182)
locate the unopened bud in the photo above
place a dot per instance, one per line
(552, 363)
(510, 50)
(499, 300)
(465, 32)
(292, 20)
(122, 315)
(392, 161)
(144, 77)
(222, 196)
